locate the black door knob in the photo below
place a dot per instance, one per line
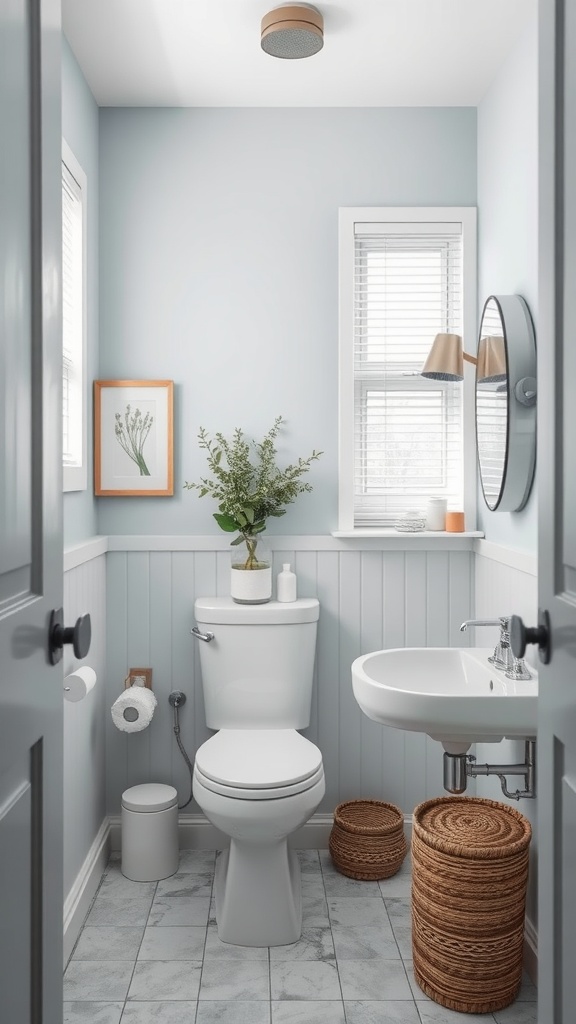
(521, 636)
(78, 635)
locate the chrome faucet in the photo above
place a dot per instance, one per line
(502, 658)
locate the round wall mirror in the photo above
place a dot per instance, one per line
(506, 403)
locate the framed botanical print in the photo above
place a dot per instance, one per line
(133, 438)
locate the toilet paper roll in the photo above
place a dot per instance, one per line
(79, 683)
(133, 709)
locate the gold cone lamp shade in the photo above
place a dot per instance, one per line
(446, 359)
(492, 366)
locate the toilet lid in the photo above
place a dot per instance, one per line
(237, 793)
(151, 796)
(258, 758)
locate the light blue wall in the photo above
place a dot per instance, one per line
(80, 129)
(508, 222)
(218, 269)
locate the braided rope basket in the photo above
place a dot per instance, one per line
(367, 839)
(469, 879)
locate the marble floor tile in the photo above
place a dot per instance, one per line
(116, 885)
(306, 980)
(403, 936)
(528, 991)
(432, 1013)
(218, 950)
(399, 884)
(368, 943)
(165, 980)
(417, 992)
(291, 1011)
(315, 912)
(108, 943)
(361, 913)
(517, 1013)
(160, 1013)
(373, 980)
(119, 911)
(179, 943)
(385, 1011)
(185, 884)
(234, 1012)
(312, 883)
(313, 944)
(168, 911)
(92, 1013)
(399, 909)
(340, 885)
(97, 980)
(245, 980)
(309, 861)
(197, 862)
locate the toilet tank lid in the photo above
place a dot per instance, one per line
(225, 610)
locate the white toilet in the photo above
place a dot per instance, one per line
(257, 779)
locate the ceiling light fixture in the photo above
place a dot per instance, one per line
(292, 31)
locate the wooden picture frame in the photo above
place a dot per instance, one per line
(133, 438)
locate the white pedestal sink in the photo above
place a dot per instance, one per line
(453, 694)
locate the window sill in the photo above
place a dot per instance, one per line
(361, 533)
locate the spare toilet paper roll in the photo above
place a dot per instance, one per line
(133, 709)
(79, 683)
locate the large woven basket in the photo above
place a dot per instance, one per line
(367, 839)
(469, 878)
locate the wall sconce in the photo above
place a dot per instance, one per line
(446, 359)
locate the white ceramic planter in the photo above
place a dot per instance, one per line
(251, 586)
(251, 572)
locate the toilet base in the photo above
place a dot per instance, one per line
(258, 894)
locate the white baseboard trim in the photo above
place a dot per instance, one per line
(195, 832)
(531, 951)
(84, 888)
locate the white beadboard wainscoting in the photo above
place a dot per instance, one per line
(85, 827)
(373, 594)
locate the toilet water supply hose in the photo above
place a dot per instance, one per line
(177, 699)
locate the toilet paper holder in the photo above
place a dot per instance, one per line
(138, 677)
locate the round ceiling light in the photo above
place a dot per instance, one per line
(292, 31)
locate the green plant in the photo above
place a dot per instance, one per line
(248, 485)
(131, 434)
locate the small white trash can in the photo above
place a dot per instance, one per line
(149, 832)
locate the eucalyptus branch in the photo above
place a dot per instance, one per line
(247, 484)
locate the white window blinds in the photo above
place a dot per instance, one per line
(408, 431)
(72, 319)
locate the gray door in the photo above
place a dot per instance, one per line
(30, 513)
(557, 511)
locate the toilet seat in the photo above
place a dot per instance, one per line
(276, 793)
(258, 764)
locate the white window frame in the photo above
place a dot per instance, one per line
(348, 217)
(75, 478)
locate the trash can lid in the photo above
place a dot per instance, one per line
(151, 796)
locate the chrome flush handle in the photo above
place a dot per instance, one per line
(206, 637)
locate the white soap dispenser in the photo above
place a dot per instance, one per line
(286, 584)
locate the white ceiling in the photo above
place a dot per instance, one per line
(376, 52)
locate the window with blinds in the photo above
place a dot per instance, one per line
(405, 285)
(73, 219)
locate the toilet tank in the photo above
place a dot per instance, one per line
(258, 670)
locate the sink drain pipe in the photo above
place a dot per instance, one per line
(458, 768)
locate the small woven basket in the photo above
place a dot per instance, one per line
(469, 879)
(367, 839)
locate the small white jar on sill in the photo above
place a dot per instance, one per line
(436, 514)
